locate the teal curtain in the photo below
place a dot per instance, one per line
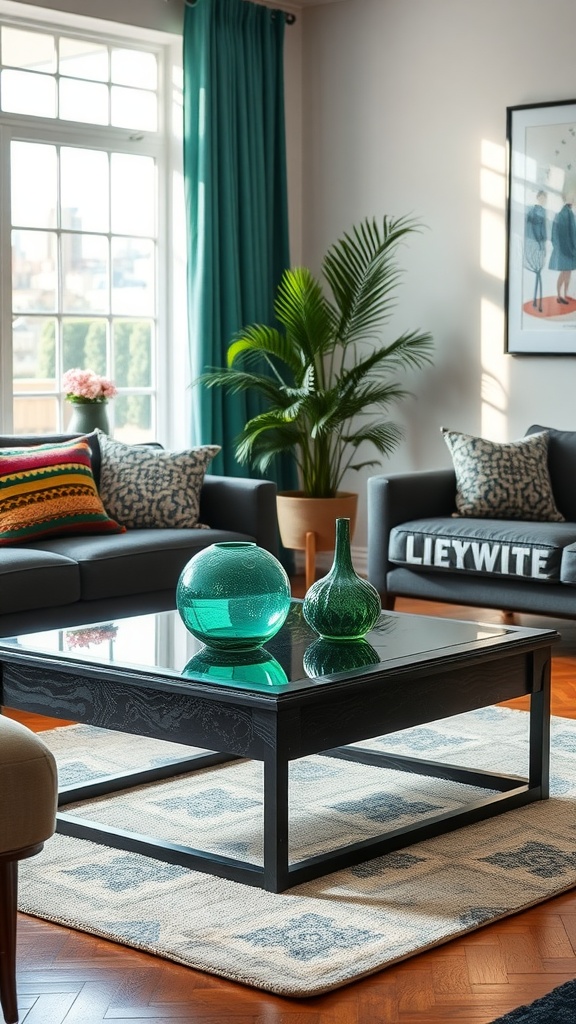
(236, 200)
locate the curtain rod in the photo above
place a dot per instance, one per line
(290, 18)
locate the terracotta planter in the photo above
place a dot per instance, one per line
(299, 515)
(309, 524)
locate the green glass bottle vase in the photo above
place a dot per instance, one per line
(341, 605)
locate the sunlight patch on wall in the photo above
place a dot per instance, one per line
(492, 243)
(493, 199)
(495, 373)
(494, 381)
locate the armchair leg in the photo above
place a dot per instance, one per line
(8, 908)
(389, 602)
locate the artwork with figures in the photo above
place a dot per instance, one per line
(541, 249)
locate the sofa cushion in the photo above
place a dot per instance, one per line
(490, 547)
(568, 566)
(136, 562)
(26, 440)
(48, 490)
(562, 467)
(30, 579)
(502, 481)
(146, 488)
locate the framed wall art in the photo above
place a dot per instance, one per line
(541, 229)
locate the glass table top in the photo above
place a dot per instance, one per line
(296, 658)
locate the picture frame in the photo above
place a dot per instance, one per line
(540, 287)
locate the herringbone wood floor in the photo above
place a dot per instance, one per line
(65, 976)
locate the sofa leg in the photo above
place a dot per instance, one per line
(388, 603)
(8, 908)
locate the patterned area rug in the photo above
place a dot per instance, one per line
(323, 934)
(558, 1007)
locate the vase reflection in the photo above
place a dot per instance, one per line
(326, 657)
(252, 670)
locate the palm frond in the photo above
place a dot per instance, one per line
(257, 340)
(264, 437)
(362, 273)
(235, 381)
(302, 309)
(384, 436)
(412, 349)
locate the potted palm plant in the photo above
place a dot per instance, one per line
(325, 376)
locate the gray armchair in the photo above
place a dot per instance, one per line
(28, 800)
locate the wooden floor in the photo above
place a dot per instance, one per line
(65, 976)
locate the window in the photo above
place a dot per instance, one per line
(83, 135)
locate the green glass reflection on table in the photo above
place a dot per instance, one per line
(251, 670)
(326, 657)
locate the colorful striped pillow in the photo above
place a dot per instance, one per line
(48, 490)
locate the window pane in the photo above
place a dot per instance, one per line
(84, 189)
(34, 415)
(32, 50)
(133, 194)
(132, 347)
(33, 348)
(84, 344)
(131, 67)
(133, 418)
(133, 276)
(33, 271)
(33, 183)
(83, 59)
(83, 101)
(132, 108)
(26, 93)
(84, 273)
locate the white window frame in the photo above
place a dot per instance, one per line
(165, 146)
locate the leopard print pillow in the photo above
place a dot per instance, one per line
(503, 481)
(150, 487)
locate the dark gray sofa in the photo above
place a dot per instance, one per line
(418, 548)
(80, 579)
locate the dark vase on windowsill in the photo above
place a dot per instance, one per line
(86, 416)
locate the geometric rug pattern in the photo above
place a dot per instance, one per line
(328, 932)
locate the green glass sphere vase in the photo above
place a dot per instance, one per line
(341, 605)
(233, 595)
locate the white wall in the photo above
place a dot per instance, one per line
(405, 112)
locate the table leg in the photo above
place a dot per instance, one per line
(275, 823)
(539, 765)
(310, 558)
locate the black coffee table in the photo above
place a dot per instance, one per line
(311, 697)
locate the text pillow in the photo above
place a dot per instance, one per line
(48, 490)
(144, 487)
(502, 481)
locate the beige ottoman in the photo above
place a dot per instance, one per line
(28, 800)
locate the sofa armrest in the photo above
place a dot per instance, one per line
(399, 498)
(241, 504)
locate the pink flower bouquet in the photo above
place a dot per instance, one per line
(86, 386)
(91, 635)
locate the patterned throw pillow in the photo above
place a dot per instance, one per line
(145, 487)
(502, 481)
(48, 490)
